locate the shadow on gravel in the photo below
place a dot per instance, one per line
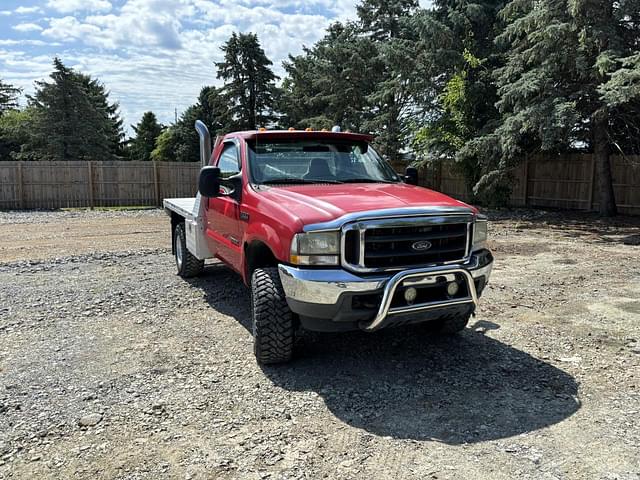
(405, 383)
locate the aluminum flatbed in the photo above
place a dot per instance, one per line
(192, 211)
(185, 207)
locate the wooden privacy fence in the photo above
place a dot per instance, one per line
(44, 185)
(568, 182)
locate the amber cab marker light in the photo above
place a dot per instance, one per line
(291, 129)
(308, 129)
(262, 129)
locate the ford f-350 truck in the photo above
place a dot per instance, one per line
(328, 236)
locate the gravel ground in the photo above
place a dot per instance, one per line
(111, 366)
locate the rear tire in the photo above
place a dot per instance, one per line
(273, 323)
(453, 325)
(188, 265)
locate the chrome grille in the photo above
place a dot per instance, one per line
(398, 243)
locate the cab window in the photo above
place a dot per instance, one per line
(229, 162)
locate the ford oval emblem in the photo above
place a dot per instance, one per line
(421, 246)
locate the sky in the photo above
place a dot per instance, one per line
(152, 54)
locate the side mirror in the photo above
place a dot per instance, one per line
(236, 183)
(411, 176)
(209, 182)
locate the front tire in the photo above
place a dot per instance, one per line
(453, 325)
(273, 324)
(188, 266)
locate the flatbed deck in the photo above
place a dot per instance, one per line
(185, 207)
(192, 211)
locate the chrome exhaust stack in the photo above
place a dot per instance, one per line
(205, 143)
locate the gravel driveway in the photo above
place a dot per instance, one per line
(111, 366)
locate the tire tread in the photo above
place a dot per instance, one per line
(273, 326)
(191, 266)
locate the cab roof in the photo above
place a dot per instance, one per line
(267, 135)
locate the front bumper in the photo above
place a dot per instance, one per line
(331, 294)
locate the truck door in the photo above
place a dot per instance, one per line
(223, 213)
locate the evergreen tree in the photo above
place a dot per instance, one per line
(180, 142)
(249, 85)
(624, 85)
(382, 19)
(459, 36)
(8, 97)
(560, 56)
(113, 123)
(71, 119)
(329, 83)
(147, 132)
(388, 23)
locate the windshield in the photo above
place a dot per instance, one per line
(316, 161)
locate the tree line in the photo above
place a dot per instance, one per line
(483, 84)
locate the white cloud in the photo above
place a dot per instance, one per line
(33, 43)
(68, 29)
(69, 6)
(158, 54)
(27, 27)
(139, 24)
(25, 10)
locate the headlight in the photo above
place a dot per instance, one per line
(321, 248)
(480, 233)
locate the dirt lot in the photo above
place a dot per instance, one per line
(113, 367)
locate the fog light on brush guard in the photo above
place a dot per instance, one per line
(452, 289)
(410, 295)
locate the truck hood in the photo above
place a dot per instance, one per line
(311, 204)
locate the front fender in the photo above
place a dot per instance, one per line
(279, 242)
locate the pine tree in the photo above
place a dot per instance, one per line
(180, 142)
(388, 24)
(113, 123)
(329, 83)
(147, 132)
(249, 82)
(459, 37)
(383, 18)
(560, 55)
(71, 119)
(8, 97)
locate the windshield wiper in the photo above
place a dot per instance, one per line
(365, 180)
(294, 180)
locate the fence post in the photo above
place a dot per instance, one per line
(526, 182)
(20, 187)
(592, 180)
(90, 184)
(156, 183)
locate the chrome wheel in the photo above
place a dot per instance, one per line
(188, 265)
(179, 252)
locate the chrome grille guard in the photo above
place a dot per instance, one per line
(385, 310)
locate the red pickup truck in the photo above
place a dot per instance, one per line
(329, 237)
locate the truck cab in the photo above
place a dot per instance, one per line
(329, 237)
